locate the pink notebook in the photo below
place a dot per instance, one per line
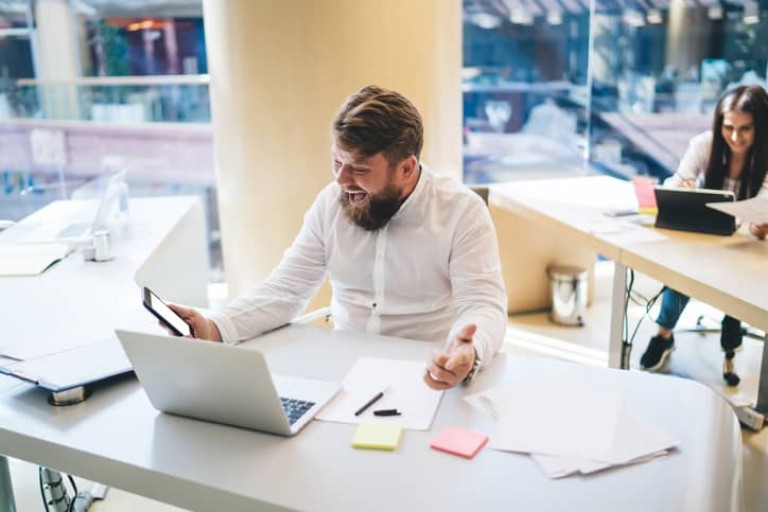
(458, 441)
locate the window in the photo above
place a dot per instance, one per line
(538, 100)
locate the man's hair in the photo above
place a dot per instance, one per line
(746, 99)
(377, 120)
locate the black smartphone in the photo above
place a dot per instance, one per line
(168, 317)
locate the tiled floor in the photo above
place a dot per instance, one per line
(697, 356)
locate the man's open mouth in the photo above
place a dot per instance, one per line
(357, 198)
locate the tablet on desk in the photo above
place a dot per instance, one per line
(72, 368)
(686, 209)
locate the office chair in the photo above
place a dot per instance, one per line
(702, 328)
(729, 371)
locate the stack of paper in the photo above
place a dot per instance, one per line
(570, 427)
(29, 259)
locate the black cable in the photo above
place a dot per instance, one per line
(53, 482)
(648, 305)
(625, 346)
(627, 296)
(71, 506)
(42, 490)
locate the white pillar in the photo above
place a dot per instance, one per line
(279, 71)
(57, 58)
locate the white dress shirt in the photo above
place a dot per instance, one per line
(431, 270)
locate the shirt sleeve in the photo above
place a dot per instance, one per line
(694, 162)
(479, 296)
(286, 292)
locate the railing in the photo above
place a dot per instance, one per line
(120, 100)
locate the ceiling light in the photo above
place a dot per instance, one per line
(633, 18)
(715, 12)
(751, 13)
(484, 20)
(654, 16)
(555, 17)
(521, 17)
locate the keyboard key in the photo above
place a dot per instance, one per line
(295, 409)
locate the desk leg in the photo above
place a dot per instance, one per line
(7, 500)
(618, 299)
(762, 389)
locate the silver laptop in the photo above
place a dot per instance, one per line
(222, 383)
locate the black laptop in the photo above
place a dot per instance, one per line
(686, 209)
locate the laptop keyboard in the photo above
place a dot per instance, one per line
(295, 409)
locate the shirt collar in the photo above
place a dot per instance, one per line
(418, 190)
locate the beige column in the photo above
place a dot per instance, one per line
(57, 58)
(687, 37)
(280, 69)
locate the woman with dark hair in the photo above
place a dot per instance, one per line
(732, 156)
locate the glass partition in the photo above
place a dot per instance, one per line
(525, 88)
(599, 86)
(658, 73)
(88, 88)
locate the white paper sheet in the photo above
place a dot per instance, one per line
(624, 232)
(404, 390)
(546, 425)
(749, 210)
(556, 417)
(637, 440)
(29, 260)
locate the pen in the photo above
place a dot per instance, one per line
(686, 181)
(369, 403)
(387, 412)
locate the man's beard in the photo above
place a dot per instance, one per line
(377, 211)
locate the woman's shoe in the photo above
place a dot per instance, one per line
(657, 353)
(729, 371)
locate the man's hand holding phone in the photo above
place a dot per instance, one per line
(168, 318)
(204, 328)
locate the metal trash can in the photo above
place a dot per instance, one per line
(568, 285)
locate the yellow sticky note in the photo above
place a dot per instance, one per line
(377, 436)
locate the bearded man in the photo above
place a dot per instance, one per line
(409, 253)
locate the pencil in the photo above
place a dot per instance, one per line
(369, 403)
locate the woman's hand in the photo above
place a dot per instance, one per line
(759, 230)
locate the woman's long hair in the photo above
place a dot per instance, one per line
(747, 99)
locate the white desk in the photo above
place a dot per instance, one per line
(78, 303)
(116, 437)
(692, 263)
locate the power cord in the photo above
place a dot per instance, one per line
(626, 347)
(54, 492)
(56, 496)
(637, 298)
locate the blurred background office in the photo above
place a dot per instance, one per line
(544, 88)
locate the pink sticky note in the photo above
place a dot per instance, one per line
(646, 198)
(458, 441)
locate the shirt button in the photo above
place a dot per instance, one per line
(373, 305)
